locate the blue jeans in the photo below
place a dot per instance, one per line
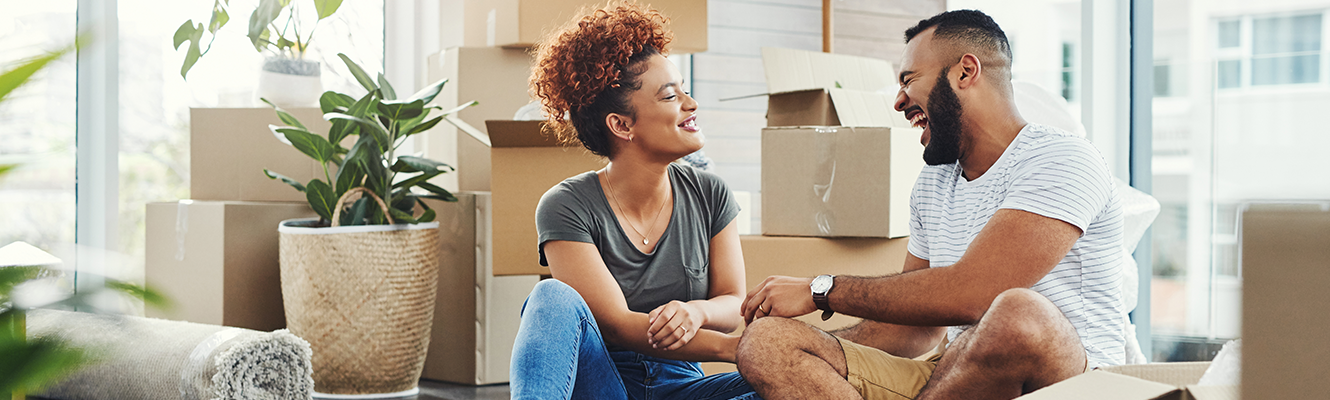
(560, 354)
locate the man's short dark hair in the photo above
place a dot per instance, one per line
(969, 31)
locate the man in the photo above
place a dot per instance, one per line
(1014, 252)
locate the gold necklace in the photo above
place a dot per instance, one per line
(625, 215)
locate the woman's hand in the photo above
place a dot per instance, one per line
(674, 324)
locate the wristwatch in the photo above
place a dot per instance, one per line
(821, 286)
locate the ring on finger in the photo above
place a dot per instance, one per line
(761, 308)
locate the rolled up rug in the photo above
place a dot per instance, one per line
(154, 359)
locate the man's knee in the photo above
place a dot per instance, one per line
(769, 340)
(1022, 321)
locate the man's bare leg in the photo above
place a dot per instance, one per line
(788, 359)
(1022, 343)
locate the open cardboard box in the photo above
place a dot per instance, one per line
(808, 88)
(1160, 381)
(496, 78)
(525, 163)
(521, 23)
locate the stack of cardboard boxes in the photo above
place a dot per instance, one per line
(503, 168)
(837, 167)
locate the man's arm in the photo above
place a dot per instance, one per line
(899, 340)
(1014, 250)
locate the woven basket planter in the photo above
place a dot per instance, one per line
(363, 297)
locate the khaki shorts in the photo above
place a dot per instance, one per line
(879, 375)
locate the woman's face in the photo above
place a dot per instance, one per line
(664, 121)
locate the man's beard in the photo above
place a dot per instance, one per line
(944, 123)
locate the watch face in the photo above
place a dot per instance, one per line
(821, 284)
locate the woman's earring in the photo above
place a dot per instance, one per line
(630, 139)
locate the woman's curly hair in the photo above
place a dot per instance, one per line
(589, 67)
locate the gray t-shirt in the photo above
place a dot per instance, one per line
(577, 210)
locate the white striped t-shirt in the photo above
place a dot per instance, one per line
(1055, 174)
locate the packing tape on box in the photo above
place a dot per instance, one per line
(824, 177)
(181, 227)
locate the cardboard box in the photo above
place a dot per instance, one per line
(230, 147)
(476, 314)
(808, 88)
(524, 164)
(494, 77)
(522, 23)
(1285, 248)
(1163, 381)
(217, 260)
(811, 256)
(838, 181)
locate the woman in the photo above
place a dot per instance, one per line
(645, 253)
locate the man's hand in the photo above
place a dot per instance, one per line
(781, 296)
(673, 325)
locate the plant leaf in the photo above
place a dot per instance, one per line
(284, 178)
(415, 180)
(419, 164)
(192, 55)
(347, 176)
(401, 217)
(12, 79)
(263, 15)
(332, 101)
(360, 74)
(428, 93)
(321, 198)
(461, 107)
(183, 33)
(427, 216)
(427, 125)
(312, 145)
(400, 111)
(29, 365)
(286, 117)
(438, 192)
(148, 295)
(219, 17)
(386, 89)
(326, 8)
(377, 131)
(357, 214)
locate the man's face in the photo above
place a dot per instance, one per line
(935, 107)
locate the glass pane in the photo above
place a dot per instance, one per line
(1286, 34)
(1211, 155)
(1229, 34)
(1286, 70)
(37, 128)
(1230, 74)
(1161, 80)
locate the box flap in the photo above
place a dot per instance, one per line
(1220, 392)
(1099, 384)
(505, 133)
(790, 70)
(1177, 374)
(864, 108)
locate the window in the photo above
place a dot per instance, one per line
(1268, 50)
(1067, 70)
(1210, 156)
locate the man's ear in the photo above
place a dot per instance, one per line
(971, 69)
(620, 125)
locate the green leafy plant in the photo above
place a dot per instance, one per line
(264, 32)
(28, 365)
(381, 123)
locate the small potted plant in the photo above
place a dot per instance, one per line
(358, 283)
(281, 30)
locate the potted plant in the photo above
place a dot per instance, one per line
(358, 283)
(277, 29)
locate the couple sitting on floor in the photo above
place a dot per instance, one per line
(1014, 242)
